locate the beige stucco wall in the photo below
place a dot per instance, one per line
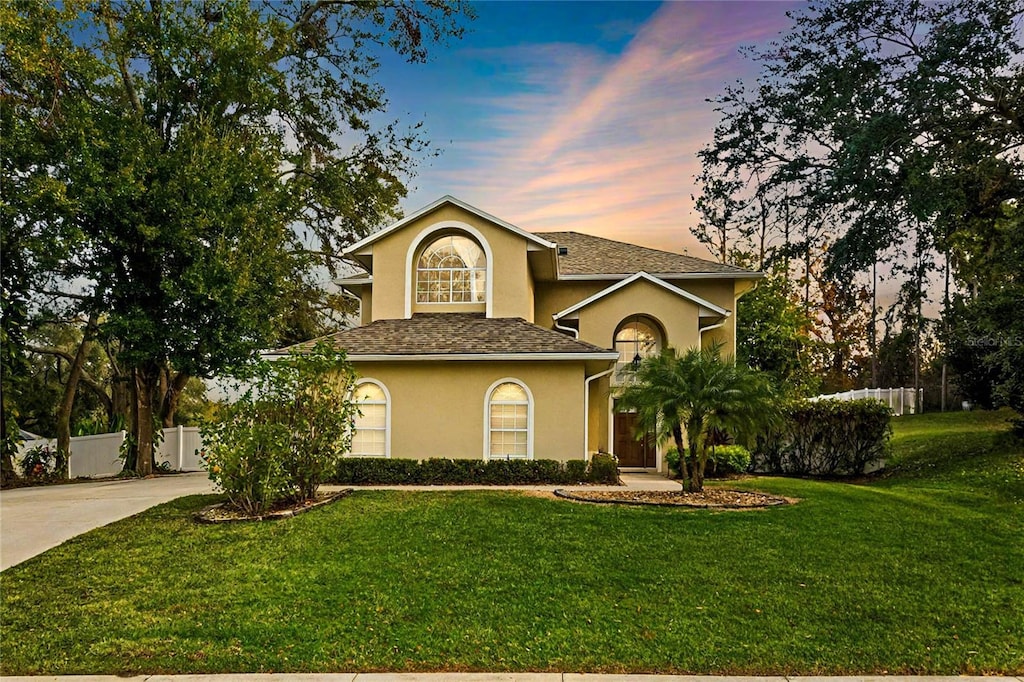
(597, 427)
(510, 285)
(366, 306)
(437, 408)
(553, 297)
(677, 316)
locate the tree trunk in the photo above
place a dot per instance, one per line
(874, 323)
(67, 403)
(696, 480)
(171, 397)
(121, 414)
(684, 469)
(7, 472)
(147, 379)
(119, 411)
(698, 470)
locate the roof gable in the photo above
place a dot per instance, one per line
(361, 246)
(707, 308)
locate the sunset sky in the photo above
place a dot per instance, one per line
(580, 115)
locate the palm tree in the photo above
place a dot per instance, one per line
(691, 394)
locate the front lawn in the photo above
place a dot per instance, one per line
(919, 572)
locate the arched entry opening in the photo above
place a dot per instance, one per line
(637, 337)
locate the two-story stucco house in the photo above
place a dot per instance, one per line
(479, 339)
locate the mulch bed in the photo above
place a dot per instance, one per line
(225, 513)
(711, 498)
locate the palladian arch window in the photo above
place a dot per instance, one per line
(508, 409)
(637, 338)
(452, 269)
(370, 438)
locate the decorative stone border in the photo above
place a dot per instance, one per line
(664, 499)
(207, 514)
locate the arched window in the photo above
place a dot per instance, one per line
(372, 428)
(452, 269)
(509, 421)
(638, 337)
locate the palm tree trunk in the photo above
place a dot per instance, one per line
(684, 469)
(696, 480)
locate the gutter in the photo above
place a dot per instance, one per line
(701, 330)
(575, 332)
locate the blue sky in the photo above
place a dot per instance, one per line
(580, 115)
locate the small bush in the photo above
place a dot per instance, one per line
(728, 459)
(285, 434)
(441, 471)
(39, 462)
(575, 472)
(672, 460)
(826, 438)
(604, 468)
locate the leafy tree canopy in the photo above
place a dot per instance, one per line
(174, 167)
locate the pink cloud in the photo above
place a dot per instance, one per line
(608, 146)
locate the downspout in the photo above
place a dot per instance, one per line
(575, 332)
(701, 330)
(359, 310)
(586, 410)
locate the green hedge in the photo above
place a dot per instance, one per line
(601, 469)
(826, 438)
(722, 460)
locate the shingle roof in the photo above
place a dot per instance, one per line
(590, 255)
(454, 334)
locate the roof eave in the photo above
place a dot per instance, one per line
(431, 357)
(662, 275)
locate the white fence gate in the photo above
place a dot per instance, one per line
(900, 400)
(100, 455)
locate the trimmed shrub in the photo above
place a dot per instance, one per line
(604, 469)
(826, 438)
(722, 460)
(728, 459)
(440, 471)
(575, 472)
(376, 471)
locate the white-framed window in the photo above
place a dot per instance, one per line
(637, 338)
(509, 418)
(371, 435)
(451, 269)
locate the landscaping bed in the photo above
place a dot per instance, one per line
(709, 498)
(224, 512)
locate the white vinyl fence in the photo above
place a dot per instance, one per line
(900, 400)
(180, 448)
(100, 455)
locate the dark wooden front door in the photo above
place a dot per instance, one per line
(633, 451)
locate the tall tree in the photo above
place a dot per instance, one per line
(890, 113)
(985, 332)
(774, 335)
(200, 156)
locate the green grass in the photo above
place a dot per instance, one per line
(921, 571)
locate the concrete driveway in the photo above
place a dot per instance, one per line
(32, 520)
